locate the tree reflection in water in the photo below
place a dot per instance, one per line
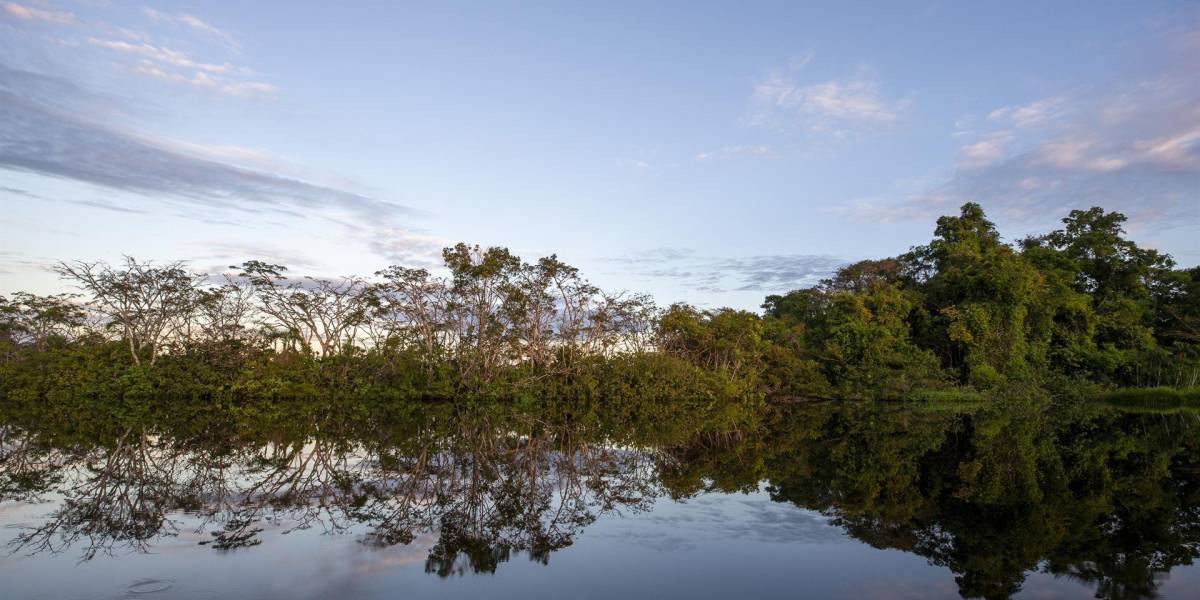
(488, 485)
(1106, 497)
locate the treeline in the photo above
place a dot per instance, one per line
(493, 326)
(1073, 312)
(1079, 308)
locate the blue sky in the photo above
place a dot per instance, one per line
(711, 153)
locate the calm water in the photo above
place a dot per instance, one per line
(813, 501)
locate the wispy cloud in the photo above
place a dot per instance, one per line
(164, 63)
(137, 52)
(216, 256)
(1132, 146)
(640, 165)
(782, 99)
(229, 153)
(409, 248)
(18, 262)
(249, 88)
(775, 272)
(193, 22)
(54, 137)
(160, 54)
(984, 152)
(11, 191)
(645, 164)
(29, 13)
(1076, 153)
(204, 80)
(753, 150)
(1176, 151)
(19, 192)
(1031, 114)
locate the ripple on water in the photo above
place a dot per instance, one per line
(149, 586)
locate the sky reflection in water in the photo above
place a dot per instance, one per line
(821, 501)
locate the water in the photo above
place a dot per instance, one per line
(825, 500)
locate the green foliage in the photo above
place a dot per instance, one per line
(1070, 313)
(1076, 307)
(950, 397)
(1157, 397)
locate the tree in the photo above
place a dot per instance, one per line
(1123, 282)
(982, 293)
(726, 339)
(1108, 265)
(412, 309)
(149, 305)
(866, 275)
(481, 281)
(225, 313)
(1178, 318)
(32, 320)
(866, 346)
(320, 315)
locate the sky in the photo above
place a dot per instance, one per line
(711, 153)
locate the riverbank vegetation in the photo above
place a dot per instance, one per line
(1077, 311)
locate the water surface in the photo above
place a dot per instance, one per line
(828, 500)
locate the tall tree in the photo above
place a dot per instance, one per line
(982, 293)
(148, 304)
(321, 315)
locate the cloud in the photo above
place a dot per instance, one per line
(853, 100)
(1075, 154)
(155, 60)
(984, 152)
(193, 22)
(756, 150)
(54, 137)
(27, 13)
(78, 202)
(780, 99)
(204, 80)
(712, 519)
(164, 63)
(249, 88)
(217, 256)
(230, 153)
(642, 166)
(637, 164)
(780, 272)
(655, 255)
(1131, 146)
(142, 56)
(1179, 151)
(1031, 114)
(17, 262)
(19, 192)
(963, 126)
(408, 248)
(160, 54)
(776, 272)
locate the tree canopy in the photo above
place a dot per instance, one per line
(1079, 308)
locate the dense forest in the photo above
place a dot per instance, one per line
(1075, 312)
